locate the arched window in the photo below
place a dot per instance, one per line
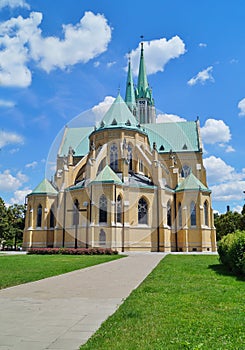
(142, 211)
(114, 157)
(193, 214)
(119, 209)
(102, 237)
(130, 158)
(75, 212)
(186, 170)
(169, 214)
(103, 209)
(51, 217)
(180, 214)
(205, 209)
(39, 215)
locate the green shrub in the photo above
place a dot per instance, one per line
(231, 251)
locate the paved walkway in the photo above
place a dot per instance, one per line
(62, 312)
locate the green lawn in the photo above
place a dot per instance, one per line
(187, 302)
(19, 269)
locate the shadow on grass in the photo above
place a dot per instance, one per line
(220, 269)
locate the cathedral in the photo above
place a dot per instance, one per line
(129, 183)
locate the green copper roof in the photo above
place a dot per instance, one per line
(191, 182)
(107, 175)
(178, 137)
(142, 77)
(45, 187)
(143, 90)
(118, 115)
(130, 95)
(77, 138)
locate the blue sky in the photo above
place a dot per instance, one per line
(57, 61)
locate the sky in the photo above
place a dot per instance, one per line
(60, 59)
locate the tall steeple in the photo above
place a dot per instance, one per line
(142, 86)
(130, 94)
(146, 112)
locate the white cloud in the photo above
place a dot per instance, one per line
(202, 45)
(215, 131)
(110, 64)
(96, 64)
(82, 42)
(218, 170)
(19, 196)
(226, 183)
(9, 182)
(13, 3)
(202, 77)
(31, 165)
(229, 149)
(7, 104)
(157, 54)
(7, 138)
(229, 191)
(169, 118)
(241, 106)
(101, 109)
(21, 41)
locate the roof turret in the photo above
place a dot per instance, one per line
(45, 187)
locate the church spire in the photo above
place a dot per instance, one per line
(142, 77)
(130, 94)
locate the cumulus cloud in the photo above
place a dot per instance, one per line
(7, 138)
(215, 131)
(241, 106)
(228, 191)
(202, 77)
(19, 196)
(226, 183)
(101, 109)
(202, 45)
(9, 182)
(169, 118)
(157, 54)
(21, 42)
(6, 103)
(218, 170)
(13, 3)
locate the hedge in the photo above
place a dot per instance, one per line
(231, 249)
(72, 251)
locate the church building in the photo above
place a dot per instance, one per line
(129, 183)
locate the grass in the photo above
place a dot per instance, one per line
(20, 269)
(187, 302)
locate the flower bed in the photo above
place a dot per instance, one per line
(72, 251)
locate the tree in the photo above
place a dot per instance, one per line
(228, 223)
(4, 222)
(12, 222)
(16, 215)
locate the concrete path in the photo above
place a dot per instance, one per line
(62, 312)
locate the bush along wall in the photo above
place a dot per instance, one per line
(72, 251)
(231, 249)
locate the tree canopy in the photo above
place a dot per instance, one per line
(229, 222)
(12, 222)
